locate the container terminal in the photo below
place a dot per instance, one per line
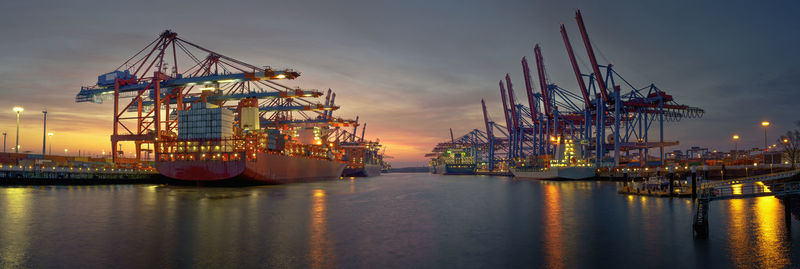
(208, 117)
(607, 126)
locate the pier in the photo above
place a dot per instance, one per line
(774, 184)
(24, 175)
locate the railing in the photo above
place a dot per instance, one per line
(231, 149)
(751, 179)
(747, 187)
(464, 160)
(19, 168)
(750, 190)
(222, 149)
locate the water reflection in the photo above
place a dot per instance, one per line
(321, 252)
(553, 228)
(405, 221)
(756, 233)
(14, 226)
(773, 251)
(737, 232)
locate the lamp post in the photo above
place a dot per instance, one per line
(19, 110)
(765, 124)
(792, 156)
(51, 143)
(766, 149)
(736, 146)
(4, 141)
(65, 152)
(44, 131)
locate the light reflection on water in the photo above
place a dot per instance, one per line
(738, 232)
(553, 228)
(14, 224)
(771, 230)
(757, 235)
(321, 247)
(396, 220)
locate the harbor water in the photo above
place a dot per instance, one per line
(398, 220)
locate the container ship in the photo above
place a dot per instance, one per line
(363, 159)
(218, 119)
(208, 149)
(453, 161)
(568, 163)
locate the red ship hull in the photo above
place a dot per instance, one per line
(264, 169)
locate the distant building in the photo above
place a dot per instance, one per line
(676, 154)
(697, 153)
(773, 157)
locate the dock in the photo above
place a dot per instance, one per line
(781, 185)
(677, 191)
(22, 175)
(494, 173)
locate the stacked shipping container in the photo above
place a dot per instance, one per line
(205, 123)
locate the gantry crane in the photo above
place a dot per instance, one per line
(602, 118)
(167, 76)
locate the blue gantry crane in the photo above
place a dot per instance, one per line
(610, 119)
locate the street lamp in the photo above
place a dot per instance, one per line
(44, 131)
(19, 110)
(765, 124)
(736, 146)
(4, 141)
(65, 152)
(51, 143)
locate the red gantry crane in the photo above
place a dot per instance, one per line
(167, 76)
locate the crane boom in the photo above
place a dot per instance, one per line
(505, 106)
(595, 67)
(486, 120)
(333, 99)
(542, 80)
(514, 118)
(363, 130)
(328, 97)
(576, 68)
(355, 129)
(526, 72)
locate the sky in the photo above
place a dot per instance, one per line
(412, 69)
